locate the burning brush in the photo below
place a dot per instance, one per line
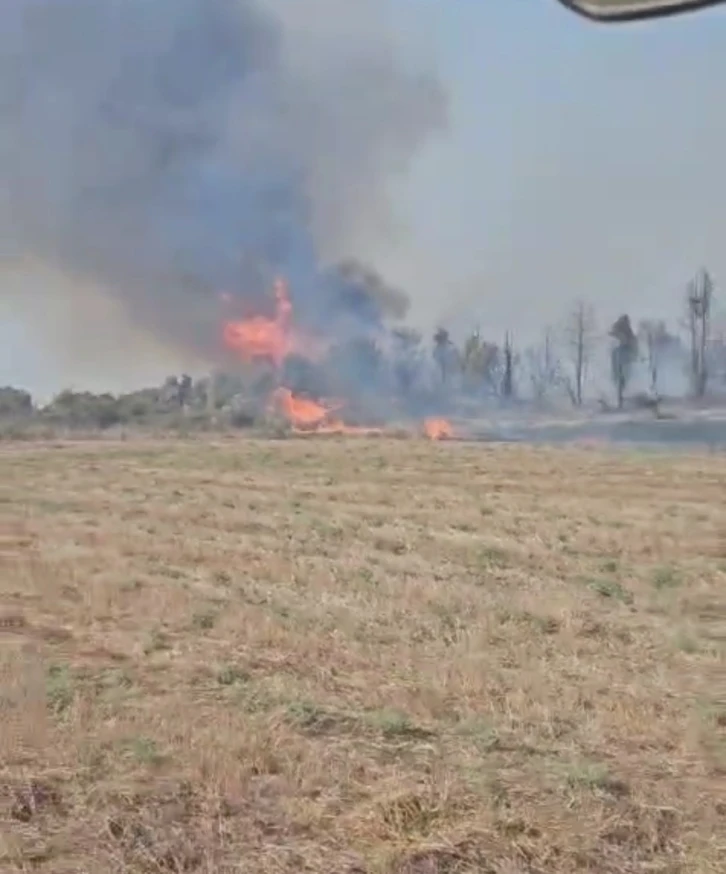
(273, 339)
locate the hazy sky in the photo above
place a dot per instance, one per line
(580, 160)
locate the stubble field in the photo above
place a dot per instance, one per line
(361, 657)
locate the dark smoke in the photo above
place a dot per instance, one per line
(173, 149)
(358, 295)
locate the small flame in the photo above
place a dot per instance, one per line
(438, 429)
(309, 416)
(300, 412)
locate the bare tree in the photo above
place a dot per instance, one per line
(579, 339)
(545, 367)
(717, 356)
(508, 364)
(699, 301)
(655, 342)
(623, 355)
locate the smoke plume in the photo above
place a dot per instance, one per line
(169, 150)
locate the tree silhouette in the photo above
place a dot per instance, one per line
(699, 302)
(579, 339)
(623, 355)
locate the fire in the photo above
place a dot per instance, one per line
(260, 337)
(300, 412)
(438, 429)
(273, 339)
(306, 415)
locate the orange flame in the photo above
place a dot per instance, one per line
(309, 416)
(269, 339)
(438, 429)
(300, 412)
(261, 337)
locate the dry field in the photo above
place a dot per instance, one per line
(359, 657)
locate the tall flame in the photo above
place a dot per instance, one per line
(263, 338)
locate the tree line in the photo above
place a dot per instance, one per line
(689, 360)
(400, 372)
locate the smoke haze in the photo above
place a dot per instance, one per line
(164, 151)
(577, 162)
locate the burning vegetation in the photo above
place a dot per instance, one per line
(199, 157)
(274, 340)
(359, 371)
(277, 373)
(194, 150)
(264, 338)
(207, 146)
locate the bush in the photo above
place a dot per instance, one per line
(15, 402)
(241, 419)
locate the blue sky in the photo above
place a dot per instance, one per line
(580, 160)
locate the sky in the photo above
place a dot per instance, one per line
(579, 161)
(582, 160)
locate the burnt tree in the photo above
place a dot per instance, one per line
(508, 364)
(579, 340)
(699, 302)
(657, 345)
(545, 368)
(623, 355)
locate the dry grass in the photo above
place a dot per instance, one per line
(360, 656)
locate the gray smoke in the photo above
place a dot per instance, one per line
(172, 149)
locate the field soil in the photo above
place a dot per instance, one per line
(361, 656)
